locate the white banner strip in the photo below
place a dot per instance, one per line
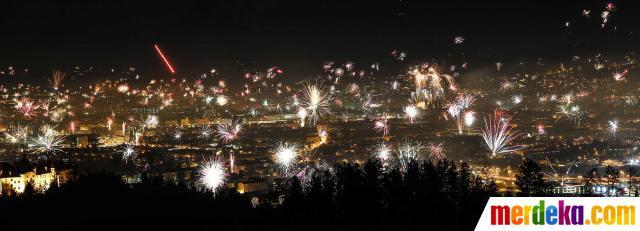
(560, 213)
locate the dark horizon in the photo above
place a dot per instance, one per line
(299, 36)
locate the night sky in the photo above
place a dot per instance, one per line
(300, 35)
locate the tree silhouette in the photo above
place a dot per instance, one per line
(435, 196)
(590, 179)
(613, 177)
(529, 178)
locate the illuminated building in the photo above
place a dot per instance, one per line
(17, 182)
(248, 187)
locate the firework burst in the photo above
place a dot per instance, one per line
(408, 152)
(152, 121)
(221, 100)
(469, 118)
(540, 129)
(458, 109)
(613, 126)
(213, 174)
(559, 177)
(455, 111)
(56, 79)
(431, 86)
(381, 126)
(436, 152)
(229, 132)
(285, 156)
(27, 107)
(382, 152)
(302, 114)
(498, 133)
(49, 142)
(128, 152)
(571, 112)
(619, 76)
(17, 133)
(411, 112)
(316, 101)
(506, 85)
(516, 99)
(205, 131)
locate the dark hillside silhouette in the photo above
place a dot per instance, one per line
(440, 196)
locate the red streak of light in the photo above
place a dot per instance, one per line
(166, 61)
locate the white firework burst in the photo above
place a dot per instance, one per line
(302, 114)
(506, 85)
(408, 152)
(516, 99)
(469, 118)
(285, 156)
(49, 142)
(411, 112)
(455, 111)
(213, 174)
(128, 152)
(17, 133)
(560, 177)
(205, 131)
(613, 126)
(382, 152)
(316, 101)
(152, 121)
(571, 112)
(497, 134)
(222, 100)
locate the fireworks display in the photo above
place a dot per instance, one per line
(221, 100)
(619, 76)
(339, 95)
